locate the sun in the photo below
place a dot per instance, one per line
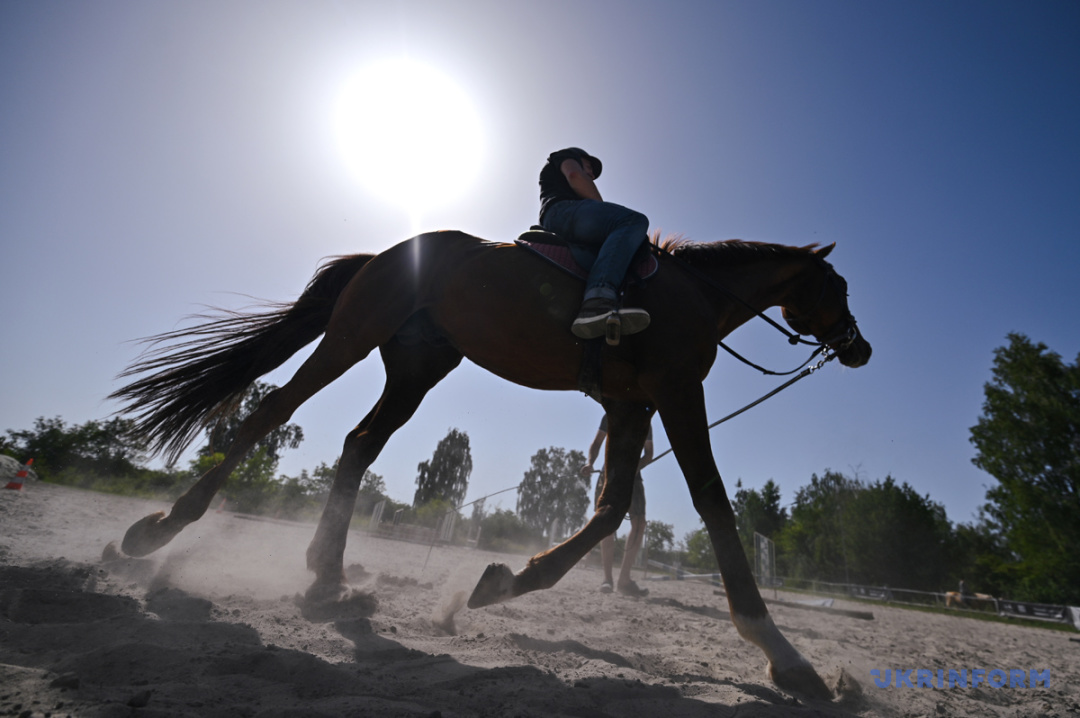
(409, 134)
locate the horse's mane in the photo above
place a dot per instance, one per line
(728, 251)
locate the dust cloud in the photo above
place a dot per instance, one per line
(218, 608)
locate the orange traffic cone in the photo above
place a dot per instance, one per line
(20, 477)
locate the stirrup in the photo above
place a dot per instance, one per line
(633, 320)
(611, 324)
(625, 321)
(613, 329)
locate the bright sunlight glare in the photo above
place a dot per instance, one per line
(409, 134)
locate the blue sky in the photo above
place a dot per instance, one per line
(157, 157)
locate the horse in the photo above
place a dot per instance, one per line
(431, 300)
(955, 599)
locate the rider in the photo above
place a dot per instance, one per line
(602, 234)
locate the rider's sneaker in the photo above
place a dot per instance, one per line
(591, 321)
(633, 319)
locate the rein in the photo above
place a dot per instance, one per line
(802, 375)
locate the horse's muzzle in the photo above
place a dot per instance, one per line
(855, 354)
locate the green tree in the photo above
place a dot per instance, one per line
(660, 537)
(882, 534)
(8, 447)
(1028, 439)
(699, 554)
(660, 541)
(446, 475)
(503, 530)
(303, 495)
(96, 448)
(223, 433)
(321, 478)
(553, 488)
(431, 514)
(758, 512)
(983, 560)
(813, 542)
(372, 491)
(897, 537)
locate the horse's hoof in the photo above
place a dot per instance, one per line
(495, 586)
(111, 553)
(147, 535)
(326, 593)
(846, 688)
(333, 602)
(801, 679)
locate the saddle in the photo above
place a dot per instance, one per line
(555, 249)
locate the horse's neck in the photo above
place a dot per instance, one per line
(763, 283)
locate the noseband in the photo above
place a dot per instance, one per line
(849, 330)
(830, 347)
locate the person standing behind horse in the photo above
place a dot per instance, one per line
(602, 235)
(635, 538)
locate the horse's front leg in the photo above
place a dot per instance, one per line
(628, 425)
(686, 425)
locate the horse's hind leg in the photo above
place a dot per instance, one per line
(411, 371)
(154, 531)
(337, 352)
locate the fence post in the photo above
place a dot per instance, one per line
(765, 561)
(552, 531)
(376, 516)
(446, 526)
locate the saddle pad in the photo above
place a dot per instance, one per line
(553, 248)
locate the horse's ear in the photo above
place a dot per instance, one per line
(823, 252)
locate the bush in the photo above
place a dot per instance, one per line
(699, 556)
(504, 531)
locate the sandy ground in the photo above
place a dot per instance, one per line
(208, 626)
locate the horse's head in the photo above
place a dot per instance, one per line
(818, 307)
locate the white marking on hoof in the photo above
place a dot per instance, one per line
(787, 668)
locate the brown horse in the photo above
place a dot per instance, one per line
(438, 297)
(954, 599)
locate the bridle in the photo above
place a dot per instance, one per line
(849, 331)
(829, 348)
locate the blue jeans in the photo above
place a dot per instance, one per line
(603, 238)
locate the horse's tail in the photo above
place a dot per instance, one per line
(199, 374)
